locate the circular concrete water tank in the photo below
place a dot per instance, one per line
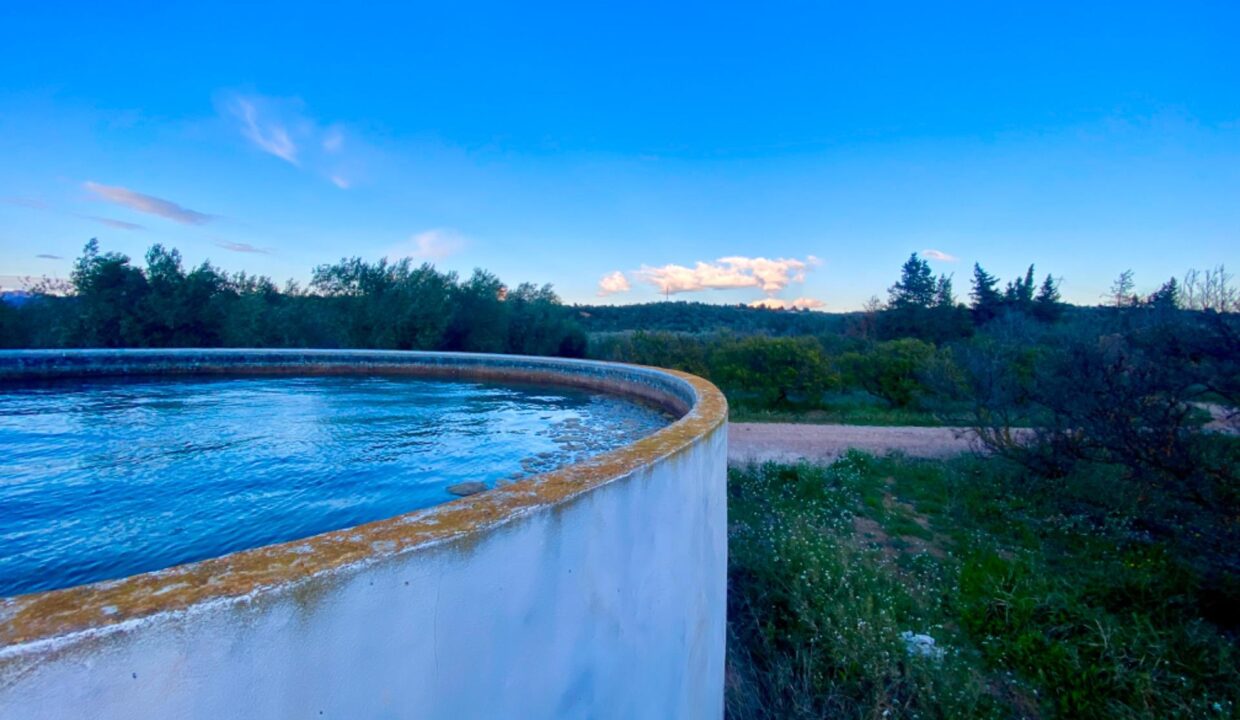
(596, 590)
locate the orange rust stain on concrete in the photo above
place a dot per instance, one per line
(60, 612)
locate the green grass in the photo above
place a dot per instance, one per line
(1044, 606)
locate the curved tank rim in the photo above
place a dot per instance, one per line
(29, 622)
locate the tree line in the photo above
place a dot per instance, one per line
(919, 305)
(687, 316)
(111, 302)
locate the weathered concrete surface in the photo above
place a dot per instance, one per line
(791, 442)
(595, 591)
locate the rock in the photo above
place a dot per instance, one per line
(923, 645)
(467, 488)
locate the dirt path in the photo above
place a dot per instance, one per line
(759, 442)
(789, 442)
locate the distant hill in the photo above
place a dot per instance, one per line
(707, 317)
(16, 298)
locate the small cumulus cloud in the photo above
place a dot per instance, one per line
(939, 255)
(803, 303)
(281, 127)
(770, 276)
(613, 283)
(433, 244)
(147, 204)
(239, 247)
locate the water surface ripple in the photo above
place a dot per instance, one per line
(106, 478)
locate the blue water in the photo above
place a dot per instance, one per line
(104, 479)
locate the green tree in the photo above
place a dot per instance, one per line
(1120, 294)
(480, 315)
(1166, 297)
(1019, 293)
(922, 306)
(109, 296)
(944, 297)
(180, 309)
(538, 323)
(1046, 306)
(12, 332)
(417, 307)
(388, 304)
(254, 318)
(916, 286)
(987, 300)
(353, 285)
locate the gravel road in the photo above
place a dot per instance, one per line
(789, 442)
(759, 442)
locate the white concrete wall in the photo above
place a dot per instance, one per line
(611, 605)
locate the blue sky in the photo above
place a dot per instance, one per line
(774, 153)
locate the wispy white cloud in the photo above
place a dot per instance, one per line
(268, 134)
(37, 204)
(26, 202)
(147, 204)
(803, 303)
(113, 223)
(281, 127)
(239, 247)
(939, 255)
(333, 141)
(433, 244)
(770, 276)
(613, 283)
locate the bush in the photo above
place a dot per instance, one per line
(1125, 395)
(893, 370)
(773, 372)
